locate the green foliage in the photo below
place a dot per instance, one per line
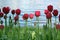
(29, 33)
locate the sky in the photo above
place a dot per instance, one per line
(30, 6)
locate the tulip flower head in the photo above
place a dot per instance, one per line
(16, 18)
(6, 10)
(46, 12)
(25, 16)
(55, 12)
(49, 15)
(1, 14)
(31, 16)
(18, 11)
(50, 8)
(13, 12)
(37, 13)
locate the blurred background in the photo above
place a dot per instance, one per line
(30, 6)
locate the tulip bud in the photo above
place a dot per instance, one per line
(31, 16)
(48, 16)
(18, 11)
(13, 12)
(55, 12)
(46, 12)
(37, 13)
(16, 18)
(25, 16)
(50, 8)
(6, 10)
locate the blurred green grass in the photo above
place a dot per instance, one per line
(29, 33)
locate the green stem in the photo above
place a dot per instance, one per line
(37, 19)
(26, 22)
(18, 23)
(18, 34)
(55, 31)
(13, 20)
(51, 23)
(55, 20)
(18, 30)
(15, 23)
(48, 23)
(31, 22)
(38, 23)
(6, 21)
(10, 22)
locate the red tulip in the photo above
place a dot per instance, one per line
(55, 12)
(18, 11)
(13, 12)
(1, 26)
(1, 14)
(58, 26)
(16, 17)
(49, 15)
(37, 13)
(25, 16)
(46, 11)
(6, 10)
(31, 16)
(50, 8)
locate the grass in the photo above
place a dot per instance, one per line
(29, 33)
